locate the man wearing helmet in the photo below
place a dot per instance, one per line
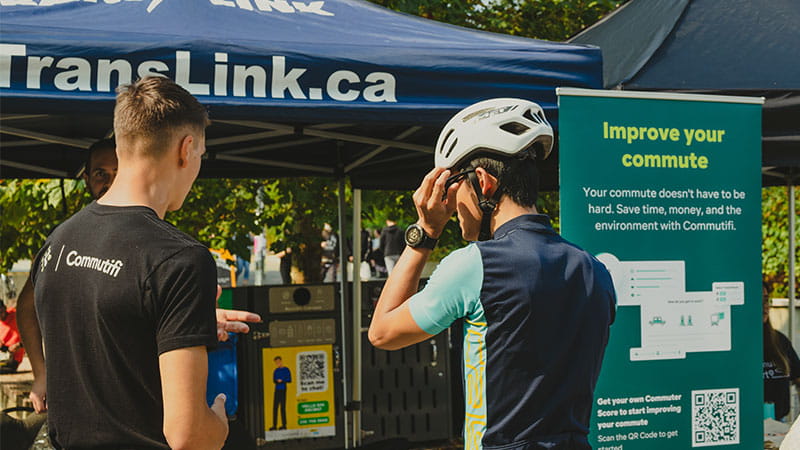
(536, 308)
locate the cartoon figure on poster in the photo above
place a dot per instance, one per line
(302, 394)
(280, 377)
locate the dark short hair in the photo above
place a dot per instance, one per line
(518, 178)
(152, 108)
(277, 358)
(99, 146)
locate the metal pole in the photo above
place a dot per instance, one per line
(791, 276)
(792, 252)
(357, 252)
(343, 305)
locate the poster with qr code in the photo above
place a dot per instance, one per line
(298, 392)
(715, 417)
(682, 244)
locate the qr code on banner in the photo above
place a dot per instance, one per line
(312, 368)
(715, 417)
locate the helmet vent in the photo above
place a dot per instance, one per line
(529, 115)
(446, 137)
(515, 128)
(452, 146)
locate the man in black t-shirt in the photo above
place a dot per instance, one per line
(125, 300)
(99, 172)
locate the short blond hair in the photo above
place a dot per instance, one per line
(152, 109)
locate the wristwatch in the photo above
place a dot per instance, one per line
(416, 237)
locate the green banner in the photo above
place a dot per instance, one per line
(312, 407)
(665, 189)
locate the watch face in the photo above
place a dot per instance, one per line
(413, 236)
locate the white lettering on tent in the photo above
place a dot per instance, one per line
(244, 4)
(152, 69)
(221, 75)
(106, 67)
(183, 66)
(334, 85)
(283, 6)
(279, 5)
(383, 90)
(153, 5)
(6, 52)
(255, 73)
(78, 77)
(313, 7)
(282, 80)
(79, 74)
(35, 67)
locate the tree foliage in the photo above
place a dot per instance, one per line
(553, 20)
(221, 213)
(30, 210)
(294, 211)
(775, 239)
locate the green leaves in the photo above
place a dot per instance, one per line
(30, 210)
(775, 238)
(553, 20)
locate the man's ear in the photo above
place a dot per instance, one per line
(487, 181)
(185, 150)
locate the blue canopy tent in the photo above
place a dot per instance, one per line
(741, 47)
(335, 87)
(338, 88)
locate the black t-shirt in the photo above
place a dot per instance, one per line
(286, 260)
(392, 240)
(776, 381)
(115, 287)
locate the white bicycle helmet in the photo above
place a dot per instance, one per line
(505, 126)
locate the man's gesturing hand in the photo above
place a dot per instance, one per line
(232, 320)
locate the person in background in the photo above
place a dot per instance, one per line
(330, 253)
(781, 365)
(285, 255)
(392, 244)
(10, 339)
(376, 260)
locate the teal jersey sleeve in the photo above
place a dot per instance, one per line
(452, 292)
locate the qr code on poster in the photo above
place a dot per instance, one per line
(715, 417)
(312, 368)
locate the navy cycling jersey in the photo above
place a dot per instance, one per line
(537, 311)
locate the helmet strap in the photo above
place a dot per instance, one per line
(487, 206)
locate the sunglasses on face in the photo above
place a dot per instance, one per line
(453, 179)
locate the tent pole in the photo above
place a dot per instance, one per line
(792, 210)
(357, 334)
(792, 253)
(343, 305)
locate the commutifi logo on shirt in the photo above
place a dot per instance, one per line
(110, 267)
(46, 258)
